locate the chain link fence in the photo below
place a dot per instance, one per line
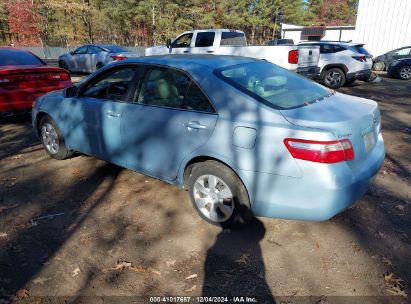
(48, 52)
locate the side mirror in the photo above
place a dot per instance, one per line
(70, 92)
(72, 53)
(168, 43)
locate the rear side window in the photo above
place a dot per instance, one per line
(81, 50)
(360, 49)
(17, 57)
(338, 48)
(172, 89)
(272, 85)
(232, 39)
(205, 39)
(326, 49)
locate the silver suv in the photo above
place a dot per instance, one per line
(342, 62)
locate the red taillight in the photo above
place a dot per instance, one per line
(116, 58)
(293, 57)
(320, 151)
(360, 58)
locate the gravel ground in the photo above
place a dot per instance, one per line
(118, 233)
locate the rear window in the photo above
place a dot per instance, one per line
(204, 39)
(115, 49)
(17, 57)
(360, 49)
(232, 39)
(272, 85)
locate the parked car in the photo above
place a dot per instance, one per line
(23, 77)
(280, 42)
(91, 57)
(342, 62)
(300, 59)
(383, 61)
(400, 68)
(244, 136)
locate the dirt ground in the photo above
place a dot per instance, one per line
(118, 233)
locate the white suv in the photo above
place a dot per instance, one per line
(342, 62)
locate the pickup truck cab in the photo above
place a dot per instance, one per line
(300, 59)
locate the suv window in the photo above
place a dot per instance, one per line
(114, 85)
(81, 50)
(182, 41)
(232, 39)
(360, 49)
(326, 49)
(205, 39)
(173, 89)
(338, 48)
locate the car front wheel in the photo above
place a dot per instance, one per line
(52, 139)
(405, 72)
(334, 78)
(378, 66)
(218, 195)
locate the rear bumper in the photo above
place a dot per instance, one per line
(317, 197)
(360, 75)
(309, 72)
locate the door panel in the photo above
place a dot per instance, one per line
(156, 139)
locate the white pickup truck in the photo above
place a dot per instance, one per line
(300, 59)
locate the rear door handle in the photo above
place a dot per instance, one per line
(210, 51)
(113, 114)
(194, 125)
(186, 51)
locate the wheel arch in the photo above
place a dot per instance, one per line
(341, 66)
(38, 118)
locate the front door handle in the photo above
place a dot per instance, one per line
(186, 51)
(113, 114)
(194, 125)
(210, 51)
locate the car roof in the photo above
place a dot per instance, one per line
(187, 62)
(345, 43)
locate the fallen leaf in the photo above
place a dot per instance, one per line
(400, 208)
(156, 271)
(386, 261)
(243, 259)
(76, 271)
(390, 279)
(192, 288)
(3, 234)
(191, 276)
(170, 263)
(40, 280)
(14, 157)
(137, 269)
(397, 291)
(122, 265)
(22, 293)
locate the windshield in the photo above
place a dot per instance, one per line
(115, 48)
(272, 85)
(17, 57)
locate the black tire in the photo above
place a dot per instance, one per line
(63, 65)
(334, 78)
(61, 152)
(99, 66)
(405, 72)
(240, 203)
(378, 66)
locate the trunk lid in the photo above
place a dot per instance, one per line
(32, 75)
(308, 56)
(347, 117)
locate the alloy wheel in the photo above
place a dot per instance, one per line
(405, 73)
(333, 78)
(50, 138)
(213, 198)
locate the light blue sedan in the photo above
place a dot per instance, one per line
(243, 136)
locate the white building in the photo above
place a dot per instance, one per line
(383, 25)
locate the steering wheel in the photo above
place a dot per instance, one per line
(115, 89)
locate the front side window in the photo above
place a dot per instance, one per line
(183, 41)
(403, 52)
(272, 85)
(94, 50)
(205, 39)
(172, 89)
(17, 57)
(81, 50)
(112, 86)
(233, 39)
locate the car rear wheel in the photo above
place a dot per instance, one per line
(52, 139)
(334, 78)
(63, 65)
(378, 66)
(218, 195)
(405, 72)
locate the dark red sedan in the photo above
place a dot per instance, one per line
(24, 77)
